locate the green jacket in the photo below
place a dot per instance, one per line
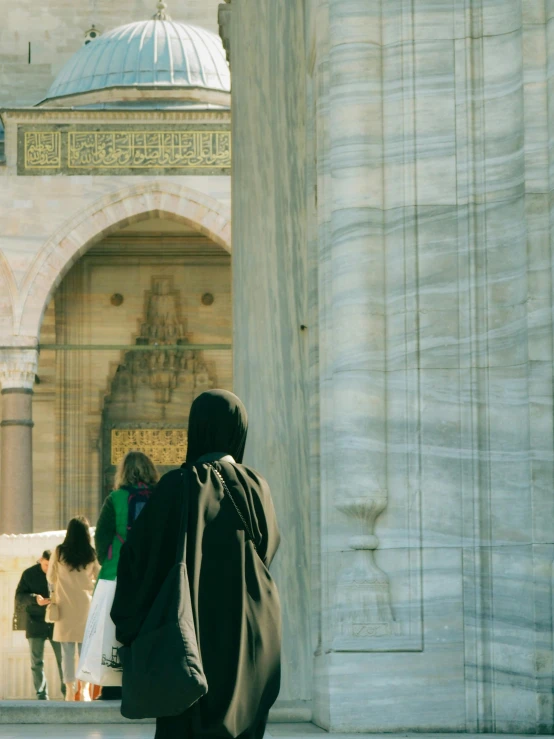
(111, 532)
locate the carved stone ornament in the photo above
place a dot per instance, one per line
(18, 368)
(163, 446)
(163, 368)
(153, 386)
(363, 605)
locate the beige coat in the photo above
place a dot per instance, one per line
(73, 594)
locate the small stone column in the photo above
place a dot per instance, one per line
(17, 375)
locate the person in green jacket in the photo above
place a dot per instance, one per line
(135, 480)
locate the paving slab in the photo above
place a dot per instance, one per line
(104, 712)
(45, 713)
(77, 731)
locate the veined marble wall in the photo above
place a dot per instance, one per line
(419, 182)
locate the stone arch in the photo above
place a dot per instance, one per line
(8, 293)
(69, 243)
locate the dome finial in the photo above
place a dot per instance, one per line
(161, 14)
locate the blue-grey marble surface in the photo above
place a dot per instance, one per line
(408, 215)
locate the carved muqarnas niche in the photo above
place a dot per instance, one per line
(167, 364)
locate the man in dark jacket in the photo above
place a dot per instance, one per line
(31, 599)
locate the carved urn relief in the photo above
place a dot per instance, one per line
(363, 605)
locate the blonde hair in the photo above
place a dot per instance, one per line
(135, 467)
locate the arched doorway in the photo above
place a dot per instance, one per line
(117, 210)
(122, 357)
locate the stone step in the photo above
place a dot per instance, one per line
(106, 712)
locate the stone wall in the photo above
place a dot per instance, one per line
(49, 223)
(60, 205)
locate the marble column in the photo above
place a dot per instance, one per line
(270, 306)
(17, 375)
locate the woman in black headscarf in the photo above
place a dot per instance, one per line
(239, 648)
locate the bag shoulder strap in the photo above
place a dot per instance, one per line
(181, 554)
(52, 585)
(237, 509)
(55, 557)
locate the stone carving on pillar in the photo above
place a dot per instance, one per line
(363, 605)
(224, 19)
(18, 367)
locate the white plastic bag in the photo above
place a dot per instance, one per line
(99, 662)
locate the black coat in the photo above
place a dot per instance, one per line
(33, 582)
(218, 567)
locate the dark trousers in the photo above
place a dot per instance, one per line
(182, 727)
(111, 693)
(36, 646)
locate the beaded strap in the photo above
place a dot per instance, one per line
(237, 509)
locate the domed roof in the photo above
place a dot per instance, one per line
(158, 53)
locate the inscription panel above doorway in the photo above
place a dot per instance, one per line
(124, 149)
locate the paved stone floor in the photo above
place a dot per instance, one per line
(125, 731)
(138, 731)
(75, 731)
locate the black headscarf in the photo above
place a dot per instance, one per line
(218, 422)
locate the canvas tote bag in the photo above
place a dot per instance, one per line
(162, 669)
(99, 662)
(52, 613)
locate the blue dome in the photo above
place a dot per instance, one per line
(159, 53)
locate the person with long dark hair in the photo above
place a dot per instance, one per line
(72, 573)
(232, 537)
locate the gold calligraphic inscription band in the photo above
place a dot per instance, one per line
(148, 149)
(163, 446)
(43, 149)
